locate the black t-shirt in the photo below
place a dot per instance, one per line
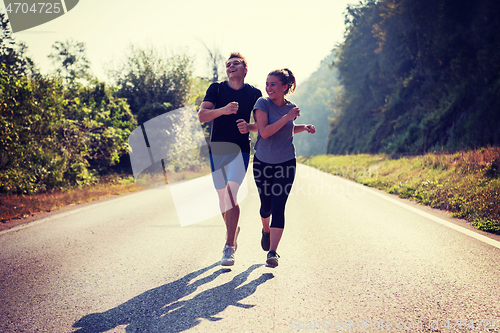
(224, 128)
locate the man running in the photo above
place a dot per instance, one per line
(228, 105)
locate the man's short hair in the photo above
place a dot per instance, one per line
(238, 55)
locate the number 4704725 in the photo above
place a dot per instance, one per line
(36, 8)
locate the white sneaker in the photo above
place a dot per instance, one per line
(228, 256)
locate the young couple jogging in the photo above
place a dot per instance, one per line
(228, 105)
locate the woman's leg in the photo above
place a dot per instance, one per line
(265, 224)
(276, 234)
(284, 175)
(261, 172)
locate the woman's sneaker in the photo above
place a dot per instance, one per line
(265, 240)
(228, 256)
(272, 259)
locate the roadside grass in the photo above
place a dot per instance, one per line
(20, 206)
(466, 184)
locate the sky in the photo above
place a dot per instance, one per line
(270, 34)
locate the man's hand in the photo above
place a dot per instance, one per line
(231, 108)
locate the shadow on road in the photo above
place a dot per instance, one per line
(159, 309)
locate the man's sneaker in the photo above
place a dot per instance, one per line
(265, 240)
(272, 259)
(228, 256)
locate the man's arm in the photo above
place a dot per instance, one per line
(208, 113)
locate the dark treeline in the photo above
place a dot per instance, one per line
(418, 76)
(68, 129)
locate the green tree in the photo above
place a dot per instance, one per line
(93, 111)
(70, 61)
(418, 76)
(12, 54)
(358, 69)
(154, 83)
(53, 135)
(215, 62)
(35, 154)
(103, 122)
(199, 86)
(48, 141)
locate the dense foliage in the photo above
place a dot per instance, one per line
(52, 138)
(12, 55)
(418, 75)
(67, 129)
(153, 83)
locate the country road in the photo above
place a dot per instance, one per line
(353, 259)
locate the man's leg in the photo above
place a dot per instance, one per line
(222, 202)
(232, 213)
(231, 216)
(233, 175)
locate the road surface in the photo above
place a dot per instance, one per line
(353, 259)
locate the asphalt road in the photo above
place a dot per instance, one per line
(352, 259)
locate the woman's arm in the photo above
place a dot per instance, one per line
(253, 127)
(301, 128)
(245, 127)
(266, 129)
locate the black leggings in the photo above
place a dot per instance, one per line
(274, 182)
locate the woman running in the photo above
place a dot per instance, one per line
(274, 160)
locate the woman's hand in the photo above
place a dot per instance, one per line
(293, 113)
(310, 129)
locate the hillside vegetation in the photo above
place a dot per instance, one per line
(418, 76)
(317, 99)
